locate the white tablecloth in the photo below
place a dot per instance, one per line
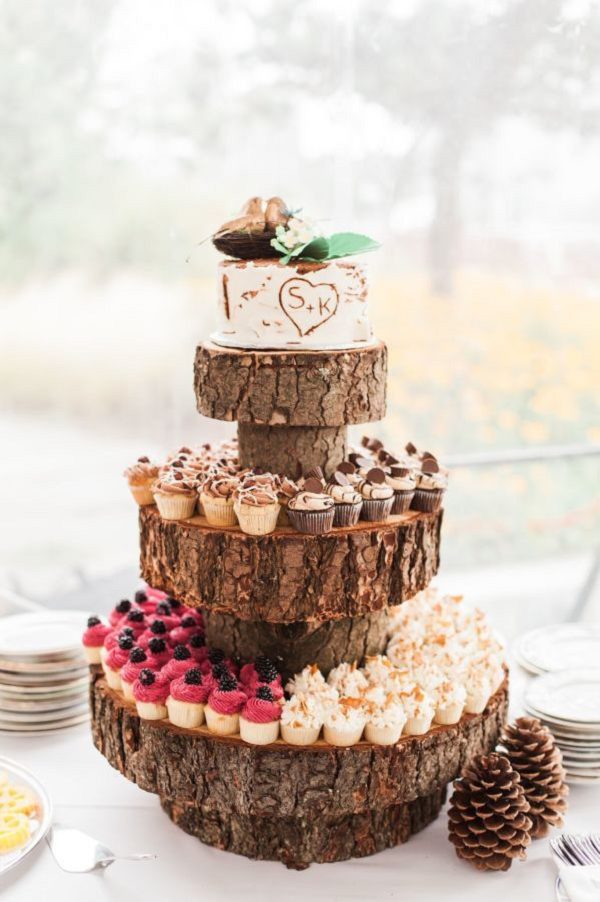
(89, 794)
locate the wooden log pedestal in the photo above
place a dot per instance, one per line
(292, 407)
(285, 803)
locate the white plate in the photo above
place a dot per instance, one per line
(8, 705)
(561, 730)
(570, 696)
(40, 680)
(34, 668)
(41, 633)
(41, 718)
(41, 825)
(50, 731)
(51, 690)
(559, 646)
(23, 729)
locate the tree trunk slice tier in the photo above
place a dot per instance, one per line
(286, 803)
(292, 450)
(291, 388)
(288, 576)
(291, 646)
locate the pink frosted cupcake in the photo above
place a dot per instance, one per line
(224, 705)
(261, 673)
(259, 719)
(147, 599)
(180, 662)
(119, 612)
(135, 620)
(150, 692)
(156, 630)
(187, 697)
(181, 633)
(165, 612)
(131, 670)
(111, 640)
(93, 639)
(197, 646)
(158, 653)
(116, 658)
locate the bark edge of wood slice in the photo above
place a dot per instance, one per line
(288, 576)
(291, 388)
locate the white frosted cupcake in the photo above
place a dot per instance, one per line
(216, 498)
(478, 687)
(385, 722)
(344, 723)
(450, 704)
(419, 710)
(301, 720)
(311, 682)
(348, 680)
(257, 508)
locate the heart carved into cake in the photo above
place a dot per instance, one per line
(306, 305)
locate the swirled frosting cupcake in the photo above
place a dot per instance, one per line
(344, 723)
(140, 478)
(93, 639)
(257, 506)
(347, 500)
(188, 695)
(348, 680)
(286, 489)
(131, 670)
(175, 496)
(431, 485)
(451, 697)
(119, 612)
(259, 718)
(158, 653)
(403, 480)
(312, 511)
(419, 709)
(385, 720)
(150, 691)
(180, 662)
(224, 705)
(181, 634)
(378, 496)
(116, 658)
(216, 497)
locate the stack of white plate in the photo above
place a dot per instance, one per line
(43, 673)
(568, 702)
(559, 646)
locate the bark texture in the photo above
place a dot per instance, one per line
(292, 450)
(287, 576)
(299, 388)
(299, 842)
(224, 774)
(291, 646)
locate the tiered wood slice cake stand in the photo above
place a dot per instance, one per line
(298, 599)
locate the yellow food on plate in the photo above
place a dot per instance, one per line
(14, 831)
(16, 799)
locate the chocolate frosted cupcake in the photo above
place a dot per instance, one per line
(175, 496)
(216, 497)
(403, 480)
(140, 478)
(311, 511)
(348, 502)
(378, 496)
(431, 485)
(286, 489)
(256, 505)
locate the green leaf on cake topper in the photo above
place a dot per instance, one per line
(319, 250)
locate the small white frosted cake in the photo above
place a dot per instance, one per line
(267, 304)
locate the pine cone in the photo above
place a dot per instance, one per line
(487, 819)
(531, 749)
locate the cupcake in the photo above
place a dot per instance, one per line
(150, 692)
(187, 698)
(451, 698)
(385, 721)
(403, 480)
(119, 612)
(197, 646)
(181, 633)
(116, 658)
(134, 621)
(347, 501)
(224, 705)
(216, 497)
(158, 653)
(93, 639)
(286, 489)
(180, 662)
(261, 673)
(112, 640)
(131, 670)
(311, 682)
(419, 710)
(156, 629)
(259, 718)
(140, 478)
(175, 496)
(257, 508)
(378, 496)
(301, 719)
(431, 485)
(348, 680)
(311, 511)
(164, 612)
(344, 723)
(478, 689)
